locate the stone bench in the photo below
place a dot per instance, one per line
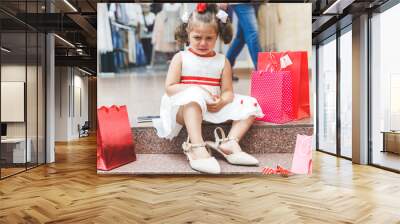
(261, 138)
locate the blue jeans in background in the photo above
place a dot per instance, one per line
(247, 33)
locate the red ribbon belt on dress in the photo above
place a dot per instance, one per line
(200, 80)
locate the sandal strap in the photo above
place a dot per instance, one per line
(223, 140)
(223, 137)
(187, 146)
(216, 134)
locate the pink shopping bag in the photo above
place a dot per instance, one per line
(274, 95)
(302, 158)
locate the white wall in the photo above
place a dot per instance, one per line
(286, 27)
(80, 100)
(33, 127)
(12, 101)
(12, 73)
(70, 83)
(61, 82)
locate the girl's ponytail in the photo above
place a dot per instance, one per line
(181, 35)
(225, 31)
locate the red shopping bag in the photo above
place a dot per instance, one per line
(271, 89)
(115, 145)
(295, 62)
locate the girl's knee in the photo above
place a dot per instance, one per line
(192, 109)
(192, 105)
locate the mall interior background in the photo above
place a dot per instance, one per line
(53, 55)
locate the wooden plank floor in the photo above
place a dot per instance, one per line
(70, 191)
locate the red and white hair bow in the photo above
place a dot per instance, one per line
(222, 15)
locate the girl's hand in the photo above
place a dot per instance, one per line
(217, 105)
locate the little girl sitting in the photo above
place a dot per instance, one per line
(199, 87)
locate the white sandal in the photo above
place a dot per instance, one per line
(237, 158)
(208, 165)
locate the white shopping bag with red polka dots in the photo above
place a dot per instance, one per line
(281, 86)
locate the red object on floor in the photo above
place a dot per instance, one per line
(268, 170)
(279, 170)
(282, 171)
(115, 146)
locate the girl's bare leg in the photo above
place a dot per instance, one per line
(238, 130)
(190, 116)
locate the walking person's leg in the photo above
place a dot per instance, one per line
(236, 46)
(248, 22)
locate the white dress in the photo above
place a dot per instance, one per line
(206, 72)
